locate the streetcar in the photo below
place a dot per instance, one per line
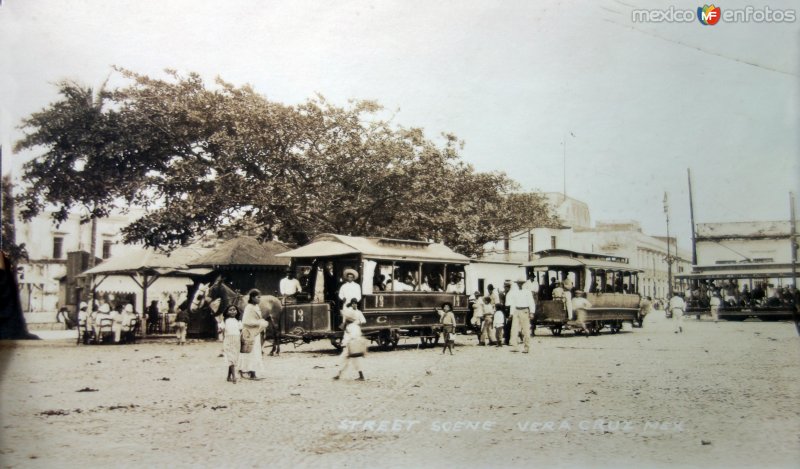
(746, 290)
(611, 285)
(403, 284)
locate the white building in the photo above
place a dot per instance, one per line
(48, 246)
(622, 239)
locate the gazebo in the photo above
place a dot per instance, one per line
(145, 266)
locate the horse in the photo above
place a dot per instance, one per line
(218, 297)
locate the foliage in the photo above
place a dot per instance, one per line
(227, 159)
(15, 252)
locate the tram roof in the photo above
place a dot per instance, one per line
(738, 272)
(567, 261)
(331, 245)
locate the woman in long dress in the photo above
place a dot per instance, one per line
(252, 325)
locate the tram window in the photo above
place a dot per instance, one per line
(456, 280)
(382, 277)
(405, 276)
(432, 278)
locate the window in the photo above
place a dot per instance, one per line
(506, 244)
(106, 249)
(552, 242)
(58, 247)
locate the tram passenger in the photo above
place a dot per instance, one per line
(425, 286)
(399, 285)
(331, 282)
(350, 289)
(290, 287)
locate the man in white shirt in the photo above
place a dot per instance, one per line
(580, 304)
(290, 286)
(677, 306)
(398, 285)
(521, 309)
(350, 289)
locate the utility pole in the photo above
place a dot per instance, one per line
(794, 239)
(691, 215)
(669, 254)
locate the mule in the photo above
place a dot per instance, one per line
(218, 297)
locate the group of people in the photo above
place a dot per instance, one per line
(122, 320)
(242, 338)
(506, 317)
(730, 294)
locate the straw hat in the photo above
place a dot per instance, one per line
(351, 272)
(83, 305)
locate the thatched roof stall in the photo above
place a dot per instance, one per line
(246, 263)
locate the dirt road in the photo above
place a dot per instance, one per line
(719, 395)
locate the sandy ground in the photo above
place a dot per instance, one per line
(719, 395)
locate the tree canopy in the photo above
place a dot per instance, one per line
(224, 158)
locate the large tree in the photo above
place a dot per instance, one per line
(15, 252)
(227, 159)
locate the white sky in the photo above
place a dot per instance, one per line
(511, 78)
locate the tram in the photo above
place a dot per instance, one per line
(611, 285)
(403, 284)
(746, 290)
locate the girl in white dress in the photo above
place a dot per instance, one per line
(233, 341)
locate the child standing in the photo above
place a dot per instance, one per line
(232, 341)
(499, 323)
(448, 326)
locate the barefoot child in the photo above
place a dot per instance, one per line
(232, 341)
(448, 321)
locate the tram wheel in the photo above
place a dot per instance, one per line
(556, 330)
(615, 327)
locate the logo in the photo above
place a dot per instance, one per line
(709, 15)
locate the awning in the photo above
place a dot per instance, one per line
(320, 249)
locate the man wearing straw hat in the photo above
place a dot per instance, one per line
(521, 307)
(350, 289)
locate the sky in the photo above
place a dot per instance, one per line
(530, 87)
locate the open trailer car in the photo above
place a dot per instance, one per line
(746, 290)
(610, 283)
(403, 285)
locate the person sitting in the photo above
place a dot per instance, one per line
(399, 286)
(378, 283)
(425, 286)
(454, 286)
(579, 307)
(103, 312)
(128, 320)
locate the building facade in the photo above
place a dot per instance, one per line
(48, 247)
(622, 239)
